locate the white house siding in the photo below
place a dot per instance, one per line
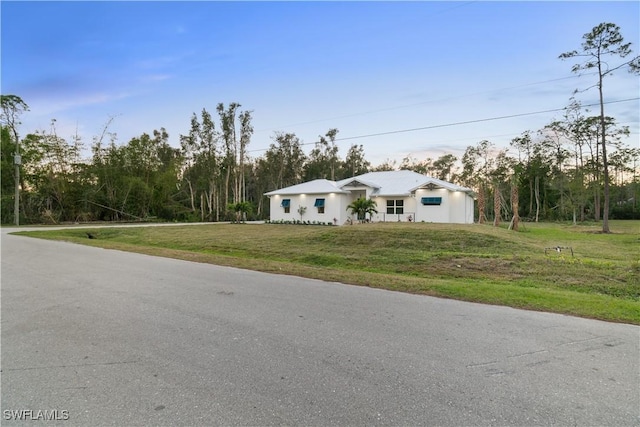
(461, 208)
(409, 209)
(456, 203)
(332, 208)
(456, 207)
(438, 213)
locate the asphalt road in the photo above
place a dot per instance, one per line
(113, 338)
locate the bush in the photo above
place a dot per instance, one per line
(627, 211)
(296, 222)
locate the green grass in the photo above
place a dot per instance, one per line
(467, 262)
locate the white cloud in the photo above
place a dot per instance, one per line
(163, 61)
(152, 78)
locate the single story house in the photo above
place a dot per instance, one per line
(400, 196)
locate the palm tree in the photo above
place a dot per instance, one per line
(361, 207)
(242, 209)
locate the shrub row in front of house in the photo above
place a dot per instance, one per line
(297, 222)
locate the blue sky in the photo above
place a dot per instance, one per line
(305, 67)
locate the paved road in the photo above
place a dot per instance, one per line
(113, 338)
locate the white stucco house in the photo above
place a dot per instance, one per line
(400, 196)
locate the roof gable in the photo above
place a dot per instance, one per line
(356, 182)
(404, 182)
(434, 182)
(317, 186)
(394, 183)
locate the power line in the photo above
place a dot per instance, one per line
(474, 121)
(381, 110)
(479, 138)
(458, 123)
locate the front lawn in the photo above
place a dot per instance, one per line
(467, 262)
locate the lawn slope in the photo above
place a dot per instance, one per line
(467, 262)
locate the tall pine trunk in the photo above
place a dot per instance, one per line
(537, 191)
(605, 163)
(515, 206)
(481, 205)
(496, 206)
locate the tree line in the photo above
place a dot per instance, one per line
(575, 168)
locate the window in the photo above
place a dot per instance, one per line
(431, 201)
(320, 205)
(286, 204)
(395, 207)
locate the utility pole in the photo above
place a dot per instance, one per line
(11, 107)
(17, 160)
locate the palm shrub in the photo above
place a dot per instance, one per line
(361, 207)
